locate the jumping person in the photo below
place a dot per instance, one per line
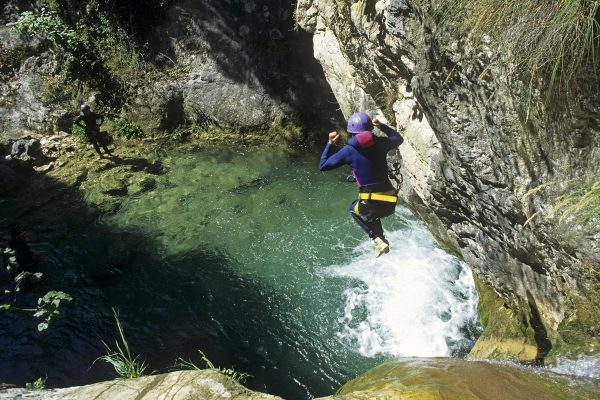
(92, 128)
(367, 156)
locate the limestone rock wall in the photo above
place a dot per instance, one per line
(233, 64)
(474, 163)
(242, 67)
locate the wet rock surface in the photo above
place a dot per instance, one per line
(458, 379)
(206, 384)
(418, 379)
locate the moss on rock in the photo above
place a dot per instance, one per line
(579, 332)
(504, 335)
(449, 379)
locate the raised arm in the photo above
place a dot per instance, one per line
(330, 161)
(78, 120)
(394, 137)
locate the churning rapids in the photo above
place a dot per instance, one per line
(251, 257)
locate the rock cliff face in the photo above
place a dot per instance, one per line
(503, 184)
(244, 68)
(233, 64)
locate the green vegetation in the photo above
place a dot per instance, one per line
(128, 366)
(573, 201)
(38, 384)
(581, 203)
(95, 55)
(79, 133)
(579, 331)
(11, 59)
(47, 306)
(125, 128)
(46, 24)
(558, 41)
(506, 334)
(238, 376)
(124, 363)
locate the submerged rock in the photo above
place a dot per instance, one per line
(8, 178)
(113, 185)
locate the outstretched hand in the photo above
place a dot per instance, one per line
(333, 137)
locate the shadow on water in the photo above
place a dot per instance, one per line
(135, 164)
(170, 305)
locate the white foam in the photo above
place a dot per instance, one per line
(585, 366)
(412, 301)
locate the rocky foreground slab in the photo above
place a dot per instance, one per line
(415, 379)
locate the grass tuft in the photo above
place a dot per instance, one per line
(558, 40)
(124, 363)
(581, 204)
(187, 364)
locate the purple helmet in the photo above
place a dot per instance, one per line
(359, 122)
(85, 107)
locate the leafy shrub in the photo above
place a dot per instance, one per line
(38, 384)
(48, 25)
(79, 133)
(123, 127)
(91, 54)
(48, 307)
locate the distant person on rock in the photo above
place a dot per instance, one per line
(91, 128)
(367, 156)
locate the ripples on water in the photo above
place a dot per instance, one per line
(584, 366)
(252, 258)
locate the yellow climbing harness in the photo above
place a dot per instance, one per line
(389, 196)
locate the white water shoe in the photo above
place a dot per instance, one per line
(381, 247)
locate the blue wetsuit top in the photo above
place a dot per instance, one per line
(366, 155)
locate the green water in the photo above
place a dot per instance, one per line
(249, 255)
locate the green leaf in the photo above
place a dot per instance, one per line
(42, 326)
(4, 306)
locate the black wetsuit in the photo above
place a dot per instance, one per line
(92, 130)
(367, 156)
